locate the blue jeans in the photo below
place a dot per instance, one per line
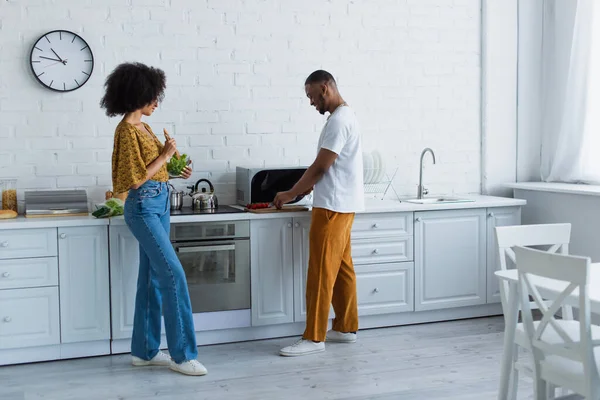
(161, 279)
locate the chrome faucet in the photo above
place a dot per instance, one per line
(421, 190)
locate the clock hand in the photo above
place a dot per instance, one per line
(52, 59)
(54, 63)
(61, 60)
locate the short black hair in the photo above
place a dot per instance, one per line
(319, 76)
(131, 86)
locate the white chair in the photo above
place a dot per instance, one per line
(557, 238)
(564, 351)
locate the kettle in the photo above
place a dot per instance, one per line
(176, 198)
(203, 200)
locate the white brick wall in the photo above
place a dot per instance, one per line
(235, 71)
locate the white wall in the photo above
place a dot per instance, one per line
(499, 94)
(235, 69)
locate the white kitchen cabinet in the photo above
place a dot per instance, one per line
(272, 277)
(124, 265)
(29, 317)
(505, 216)
(301, 231)
(84, 284)
(385, 288)
(450, 259)
(27, 243)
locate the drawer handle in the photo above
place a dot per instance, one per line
(375, 226)
(376, 251)
(6, 274)
(376, 290)
(7, 319)
(4, 244)
(63, 235)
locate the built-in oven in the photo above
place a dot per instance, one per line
(216, 260)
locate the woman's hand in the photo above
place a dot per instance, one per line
(186, 173)
(169, 149)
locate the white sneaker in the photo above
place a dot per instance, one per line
(302, 348)
(340, 337)
(189, 367)
(160, 359)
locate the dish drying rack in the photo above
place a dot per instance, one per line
(383, 186)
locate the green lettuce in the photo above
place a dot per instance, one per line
(176, 165)
(111, 208)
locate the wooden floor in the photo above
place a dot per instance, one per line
(450, 360)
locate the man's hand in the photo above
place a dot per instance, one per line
(283, 198)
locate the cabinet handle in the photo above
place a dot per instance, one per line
(63, 235)
(297, 224)
(376, 290)
(376, 251)
(4, 244)
(491, 215)
(418, 219)
(7, 319)
(6, 274)
(375, 226)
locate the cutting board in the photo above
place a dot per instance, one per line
(56, 215)
(275, 210)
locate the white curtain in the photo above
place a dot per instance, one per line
(570, 149)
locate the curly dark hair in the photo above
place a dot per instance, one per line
(131, 86)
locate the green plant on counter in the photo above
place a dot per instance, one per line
(176, 165)
(110, 208)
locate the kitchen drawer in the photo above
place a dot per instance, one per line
(376, 251)
(29, 317)
(24, 243)
(28, 273)
(385, 289)
(382, 225)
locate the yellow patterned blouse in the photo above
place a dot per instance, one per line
(133, 151)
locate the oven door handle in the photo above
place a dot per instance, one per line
(197, 249)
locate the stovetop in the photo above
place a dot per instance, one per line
(218, 210)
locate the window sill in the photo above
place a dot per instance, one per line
(555, 187)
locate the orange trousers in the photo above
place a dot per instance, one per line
(331, 279)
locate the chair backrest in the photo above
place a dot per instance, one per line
(573, 273)
(557, 236)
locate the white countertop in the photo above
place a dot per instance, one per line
(22, 222)
(555, 187)
(372, 207)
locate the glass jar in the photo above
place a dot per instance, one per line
(8, 187)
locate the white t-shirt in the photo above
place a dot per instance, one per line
(341, 188)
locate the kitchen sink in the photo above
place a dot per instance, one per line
(438, 200)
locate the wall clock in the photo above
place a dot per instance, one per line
(62, 61)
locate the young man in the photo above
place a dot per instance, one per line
(337, 178)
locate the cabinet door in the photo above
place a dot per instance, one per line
(29, 317)
(301, 230)
(124, 264)
(272, 278)
(450, 259)
(506, 216)
(84, 284)
(385, 288)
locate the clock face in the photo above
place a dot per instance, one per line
(62, 61)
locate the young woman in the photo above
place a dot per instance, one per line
(139, 168)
